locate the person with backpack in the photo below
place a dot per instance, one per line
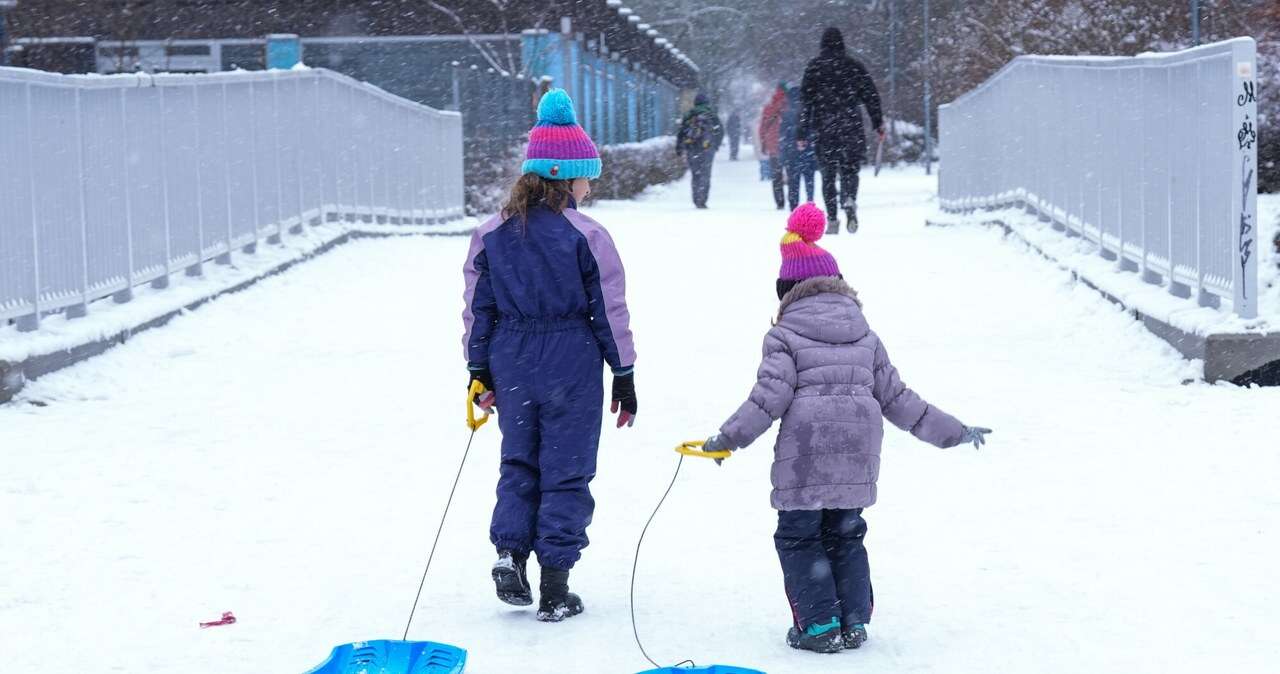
(546, 309)
(827, 376)
(798, 160)
(698, 141)
(834, 88)
(770, 133)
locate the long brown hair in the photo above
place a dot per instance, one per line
(531, 190)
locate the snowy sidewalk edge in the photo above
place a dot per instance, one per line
(57, 354)
(1234, 356)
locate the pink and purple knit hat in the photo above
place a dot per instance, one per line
(802, 258)
(558, 148)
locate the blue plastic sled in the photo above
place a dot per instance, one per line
(385, 656)
(712, 669)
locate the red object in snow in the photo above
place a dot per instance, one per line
(228, 618)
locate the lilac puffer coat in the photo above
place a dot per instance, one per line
(827, 376)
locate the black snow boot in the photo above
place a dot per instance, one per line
(817, 638)
(851, 215)
(557, 602)
(510, 579)
(833, 224)
(855, 635)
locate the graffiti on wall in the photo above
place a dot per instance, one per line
(1247, 96)
(1246, 137)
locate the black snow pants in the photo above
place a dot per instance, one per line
(700, 168)
(824, 566)
(776, 172)
(839, 160)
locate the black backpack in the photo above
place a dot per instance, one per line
(700, 131)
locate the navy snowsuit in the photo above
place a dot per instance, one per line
(546, 308)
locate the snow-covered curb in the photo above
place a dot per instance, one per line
(1081, 258)
(1231, 348)
(61, 341)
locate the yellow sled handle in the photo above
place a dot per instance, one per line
(690, 448)
(472, 422)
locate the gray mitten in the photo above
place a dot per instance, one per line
(975, 434)
(717, 443)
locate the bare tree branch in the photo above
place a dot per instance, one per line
(485, 51)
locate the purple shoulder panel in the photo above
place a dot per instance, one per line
(470, 276)
(613, 282)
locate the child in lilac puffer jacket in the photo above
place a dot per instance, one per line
(827, 376)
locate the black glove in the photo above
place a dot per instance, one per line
(624, 398)
(480, 373)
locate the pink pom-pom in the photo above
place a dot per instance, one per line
(808, 222)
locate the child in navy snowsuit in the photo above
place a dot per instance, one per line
(545, 310)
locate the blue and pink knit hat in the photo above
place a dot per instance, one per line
(802, 258)
(558, 148)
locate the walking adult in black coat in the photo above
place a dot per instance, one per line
(834, 86)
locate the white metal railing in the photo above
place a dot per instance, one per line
(1153, 158)
(107, 183)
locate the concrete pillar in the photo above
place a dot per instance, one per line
(587, 90)
(611, 99)
(633, 101)
(601, 86)
(540, 54)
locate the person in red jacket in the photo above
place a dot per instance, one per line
(770, 126)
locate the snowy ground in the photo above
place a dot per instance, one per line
(284, 453)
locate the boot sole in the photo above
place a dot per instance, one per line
(510, 589)
(558, 615)
(828, 649)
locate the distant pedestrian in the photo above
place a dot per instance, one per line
(700, 136)
(799, 163)
(734, 128)
(769, 133)
(834, 86)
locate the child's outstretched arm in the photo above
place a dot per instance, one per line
(770, 397)
(908, 411)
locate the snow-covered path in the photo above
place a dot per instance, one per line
(284, 453)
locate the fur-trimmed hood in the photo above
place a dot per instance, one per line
(823, 308)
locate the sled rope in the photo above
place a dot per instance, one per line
(432, 555)
(636, 563)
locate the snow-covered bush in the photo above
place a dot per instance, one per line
(904, 143)
(489, 180)
(629, 168)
